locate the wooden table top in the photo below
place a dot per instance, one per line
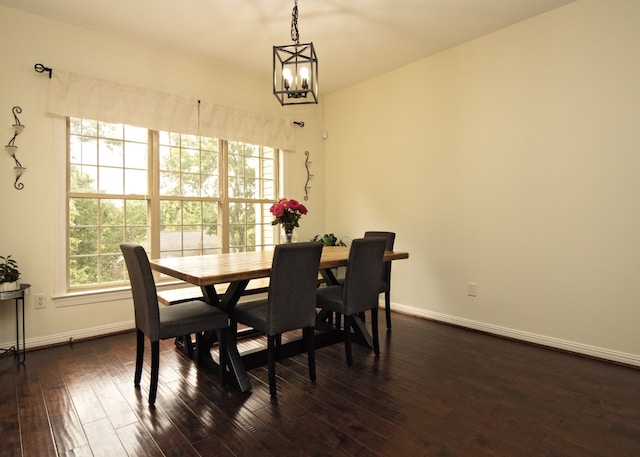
(206, 270)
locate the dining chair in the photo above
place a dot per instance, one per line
(359, 291)
(290, 303)
(159, 323)
(385, 281)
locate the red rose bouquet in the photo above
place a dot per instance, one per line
(287, 213)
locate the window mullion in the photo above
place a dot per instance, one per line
(154, 192)
(223, 220)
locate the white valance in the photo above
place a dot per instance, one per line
(82, 96)
(237, 125)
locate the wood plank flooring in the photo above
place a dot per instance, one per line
(435, 390)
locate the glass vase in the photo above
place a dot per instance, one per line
(287, 235)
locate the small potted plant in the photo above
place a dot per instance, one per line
(329, 239)
(9, 274)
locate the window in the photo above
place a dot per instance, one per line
(176, 194)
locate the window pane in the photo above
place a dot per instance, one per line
(83, 178)
(190, 185)
(110, 153)
(138, 235)
(83, 241)
(135, 182)
(83, 150)
(136, 212)
(169, 183)
(107, 130)
(111, 212)
(190, 161)
(210, 213)
(250, 226)
(83, 127)
(210, 186)
(137, 134)
(269, 153)
(83, 211)
(188, 226)
(210, 239)
(192, 237)
(112, 268)
(192, 213)
(169, 158)
(269, 190)
(83, 270)
(111, 180)
(237, 238)
(110, 240)
(251, 171)
(136, 155)
(171, 239)
(188, 165)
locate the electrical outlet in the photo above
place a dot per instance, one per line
(472, 289)
(41, 301)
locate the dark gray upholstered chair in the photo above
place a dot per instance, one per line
(385, 282)
(159, 323)
(290, 302)
(359, 291)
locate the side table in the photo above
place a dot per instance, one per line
(18, 296)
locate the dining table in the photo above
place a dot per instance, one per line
(236, 269)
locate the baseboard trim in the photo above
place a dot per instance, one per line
(77, 335)
(542, 340)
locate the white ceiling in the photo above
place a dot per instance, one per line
(354, 39)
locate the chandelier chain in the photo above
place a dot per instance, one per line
(295, 35)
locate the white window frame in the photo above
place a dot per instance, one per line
(62, 295)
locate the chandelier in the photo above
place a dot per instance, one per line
(295, 69)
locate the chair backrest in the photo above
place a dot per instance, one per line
(292, 286)
(391, 238)
(143, 288)
(362, 279)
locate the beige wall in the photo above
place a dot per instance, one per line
(31, 217)
(512, 161)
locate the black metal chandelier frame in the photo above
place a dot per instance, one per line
(295, 69)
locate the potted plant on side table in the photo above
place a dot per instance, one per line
(329, 239)
(9, 274)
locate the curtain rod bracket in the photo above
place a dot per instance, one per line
(41, 69)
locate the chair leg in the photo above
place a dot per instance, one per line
(347, 339)
(155, 366)
(188, 345)
(185, 344)
(196, 348)
(308, 336)
(374, 330)
(139, 357)
(387, 308)
(271, 363)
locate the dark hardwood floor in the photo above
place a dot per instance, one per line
(435, 390)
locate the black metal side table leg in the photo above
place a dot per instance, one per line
(24, 347)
